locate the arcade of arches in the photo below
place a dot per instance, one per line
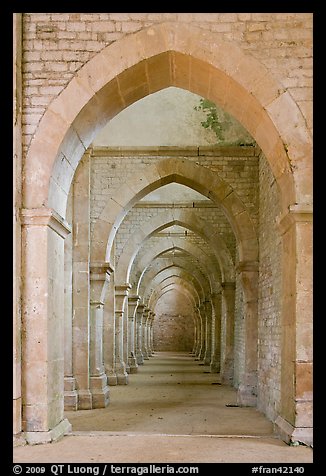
(124, 248)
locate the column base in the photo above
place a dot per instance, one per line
(70, 394)
(291, 434)
(140, 359)
(201, 355)
(19, 440)
(100, 391)
(133, 365)
(41, 437)
(122, 376)
(122, 379)
(227, 371)
(215, 367)
(84, 400)
(207, 360)
(145, 355)
(111, 378)
(246, 396)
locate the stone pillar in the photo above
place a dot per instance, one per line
(203, 332)
(132, 306)
(151, 334)
(198, 334)
(216, 352)
(70, 392)
(149, 330)
(193, 350)
(139, 334)
(81, 282)
(126, 336)
(208, 337)
(227, 328)
(295, 422)
(144, 337)
(121, 293)
(247, 390)
(99, 280)
(43, 234)
(109, 334)
(17, 244)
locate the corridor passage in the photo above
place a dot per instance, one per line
(172, 410)
(173, 394)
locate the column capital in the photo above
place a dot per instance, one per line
(228, 285)
(132, 305)
(140, 308)
(100, 270)
(134, 298)
(247, 266)
(298, 212)
(122, 289)
(45, 217)
(120, 294)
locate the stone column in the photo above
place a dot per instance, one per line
(17, 244)
(70, 392)
(99, 280)
(81, 282)
(295, 421)
(139, 334)
(198, 333)
(109, 334)
(247, 390)
(149, 329)
(193, 350)
(203, 332)
(43, 234)
(227, 328)
(132, 306)
(126, 336)
(216, 353)
(151, 334)
(208, 337)
(144, 337)
(121, 293)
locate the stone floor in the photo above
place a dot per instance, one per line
(173, 410)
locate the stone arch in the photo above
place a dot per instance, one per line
(139, 64)
(168, 273)
(163, 220)
(185, 172)
(165, 245)
(147, 61)
(175, 280)
(181, 290)
(169, 264)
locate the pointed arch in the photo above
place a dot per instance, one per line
(163, 220)
(169, 244)
(149, 60)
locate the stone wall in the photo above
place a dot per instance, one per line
(57, 45)
(174, 323)
(236, 165)
(269, 310)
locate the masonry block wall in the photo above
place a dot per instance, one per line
(174, 323)
(269, 324)
(236, 165)
(57, 45)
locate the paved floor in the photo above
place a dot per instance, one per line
(173, 410)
